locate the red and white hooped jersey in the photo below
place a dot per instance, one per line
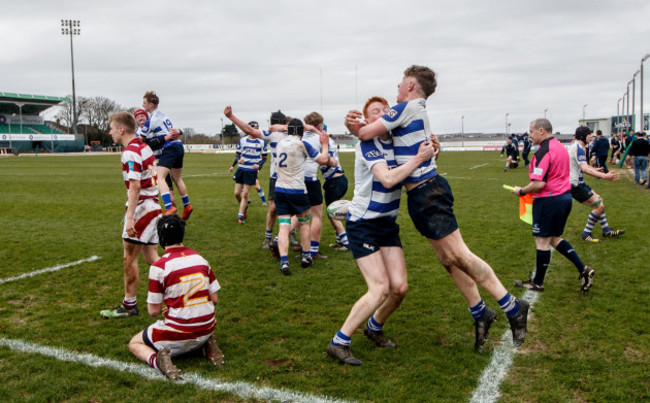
(183, 280)
(139, 163)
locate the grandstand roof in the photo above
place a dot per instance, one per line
(32, 104)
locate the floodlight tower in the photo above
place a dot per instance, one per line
(72, 28)
(641, 93)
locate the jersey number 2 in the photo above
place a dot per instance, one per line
(196, 282)
(283, 158)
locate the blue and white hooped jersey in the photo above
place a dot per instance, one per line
(158, 125)
(272, 139)
(292, 156)
(311, 167)
(251, 151)
(409, 125)
(371, 199)
(577, 156)
(328, 172)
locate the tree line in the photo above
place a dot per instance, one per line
(92, 122)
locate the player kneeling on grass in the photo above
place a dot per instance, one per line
(184, 281)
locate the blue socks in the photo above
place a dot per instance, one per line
(186, 200)
(543, 259)
(314, 247)
(509, 305)
(374, 326)
(340, 339)
(567, 250)
(167, 200)
(478, 310)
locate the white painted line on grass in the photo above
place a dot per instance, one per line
(212, 174)
(478, 166)
(496, 371)
(242, 389)
(47, 270)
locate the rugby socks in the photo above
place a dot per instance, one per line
(567, 250)
(167, 200)
(478, 310)
(342, 238)
(591, 222)
(284, 260)
(153, 360)
(314, 247)
(268, 234)
(603, 223)
(374, 326)
(130, 303)
(543, 259)
(341, 339)
(306, 254)
(509, 305)
(261, 193)
(186, 200)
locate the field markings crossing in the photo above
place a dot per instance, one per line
(48, 270)
(242, 389)
(496, 371)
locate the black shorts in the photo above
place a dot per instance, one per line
(245, 177)
(290, 203)
(367, 236)
(430, 206)
(335, 189)
(314, 192)
(271, 195)
(172, 156)
(582, 192)
(550, 215)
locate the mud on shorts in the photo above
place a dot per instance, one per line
(147, 213)
(291, 203)
(367, 236)
(430, 206)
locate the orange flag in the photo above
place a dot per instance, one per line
(525, 207)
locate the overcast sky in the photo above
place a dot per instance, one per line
(491, 57)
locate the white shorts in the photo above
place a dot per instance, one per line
(147, 213)
(160, 335)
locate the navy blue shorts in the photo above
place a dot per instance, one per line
(550, 215)
(245, 177)
(290, 203)
(314, 192)
(172, 156)
(271, 195)
(335, 189)
(367, 236)
(430, 206)
(582, 192)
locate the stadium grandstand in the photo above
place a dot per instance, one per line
(23, 130)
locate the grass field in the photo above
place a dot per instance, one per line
(274, 329)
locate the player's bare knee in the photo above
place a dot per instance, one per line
(400, 290)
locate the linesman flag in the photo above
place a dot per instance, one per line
(525, 206)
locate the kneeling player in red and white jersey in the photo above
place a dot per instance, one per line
(184, 281)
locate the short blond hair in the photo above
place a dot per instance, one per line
(314, 119)
(124, 119)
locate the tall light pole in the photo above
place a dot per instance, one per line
(72, 28)
(618, 115)
(634, 119)
(507, 114)
(545, 110)
(623, 108)
(641, 93)
(627, 88)
(583, 111)
(221, 133)
(462, 131)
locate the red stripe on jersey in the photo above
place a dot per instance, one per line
(158, 335)
(175, 276)
(198, 319)
(145, 220)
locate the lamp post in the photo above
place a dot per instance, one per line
(12, 118)
(545, 110)
(462, 131)
(634, 100)
(623, 108)
(583, 111)
(507, 123)
(618, 115)
(221, 135)
(627, 87)
(72, 28)
(641, 92)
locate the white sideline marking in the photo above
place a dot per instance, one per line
(242, 389)
(47, 270)
(212, 174)
(493, 374)
(478, 166)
